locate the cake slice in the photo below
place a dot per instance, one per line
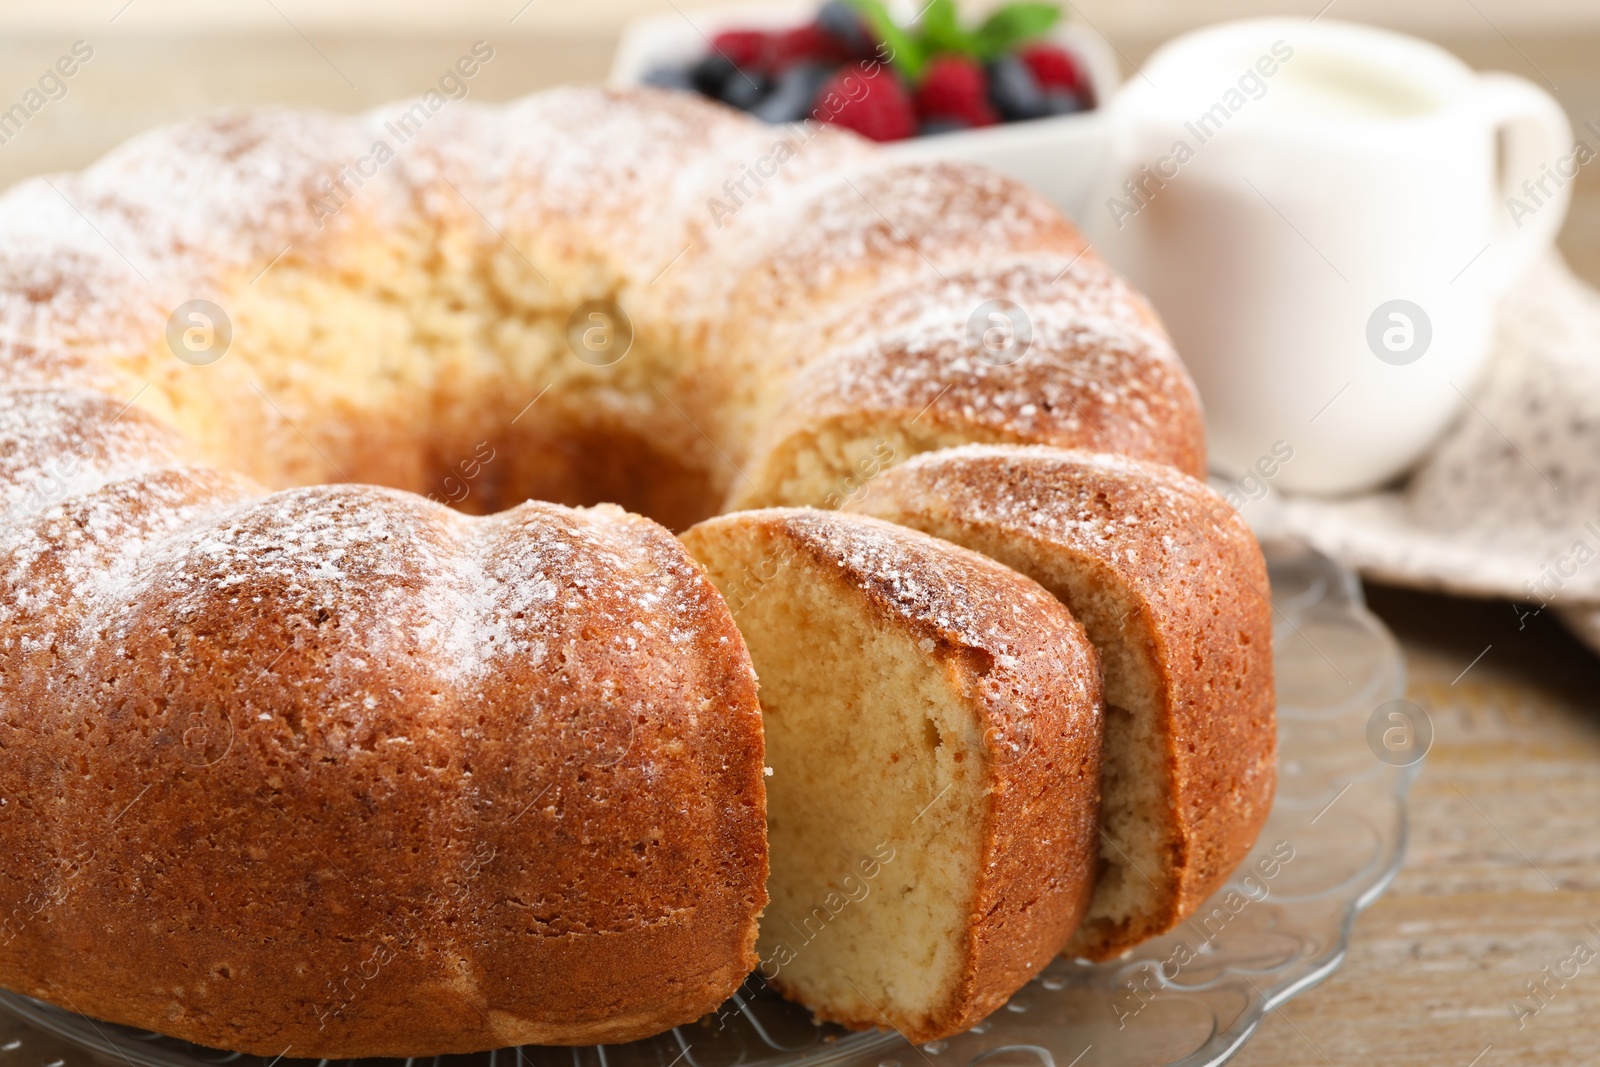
(1171, 587)
(933, 730)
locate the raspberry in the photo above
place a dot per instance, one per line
(746, 48)
(1054, 68)
(869, 99)
(804, 44)
(955, 88)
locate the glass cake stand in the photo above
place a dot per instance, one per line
(1349, 749)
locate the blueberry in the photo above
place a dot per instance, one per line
(670, 76)
(930, 127)
(843, 23)
(792, 99)
(1014, 91)
(710, 74)
(745, 89)
(1059, 102)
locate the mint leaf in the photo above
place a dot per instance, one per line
(895, 46)
(938, 30)
(941, 31)
(1012, 25)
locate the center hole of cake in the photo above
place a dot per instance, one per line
(474, 388)
(569, 460)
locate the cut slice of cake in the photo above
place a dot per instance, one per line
(933, 725)
(1171, 587)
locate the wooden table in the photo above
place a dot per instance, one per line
(1502, 877)
(1503, 874)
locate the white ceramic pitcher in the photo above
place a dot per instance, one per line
(1324, 213)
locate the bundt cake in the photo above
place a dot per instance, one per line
(1169, 583)
(297, 758)
(932, 713)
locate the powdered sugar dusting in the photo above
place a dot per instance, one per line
(97, 260)
(963, 599)
(82, 551)
(1083, 382)
(600, 191)
(1105, 505)
(623, 576)
(385, 567)
(55, 444)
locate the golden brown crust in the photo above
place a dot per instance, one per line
(1032, 682)
(1203, 609)
(382, 778)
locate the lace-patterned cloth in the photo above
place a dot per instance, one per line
(1508, 503)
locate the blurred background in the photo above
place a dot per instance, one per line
(160, 60)
(1503, 872)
